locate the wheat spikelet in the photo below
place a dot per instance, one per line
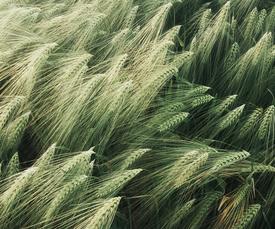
(175, 107)
(197, 91)
(111, 187)
(204, 208)
(182, 59)
(260, 55)
(24, 71)
(22, 83)
(261, 51)
(257, 168)
(9, 109)
(70, 73)
(201, 100)
(46, 158)
(130, 18)
(158, 79)
(77, 165)
(116, 12)
(234, 24)
(81, 20)
(13, 165)
(273, 50)
(159, 53)
(246, 66)
(260, 23)
(136, 30)
(268, 61)
(152, 30)
(231, 118)
(189, 170)
(229, 160)
(180, 164)
(66, 193)
(93, 84)
(172, 33)
(251, 122)
(225, 104)
(266, 122)
(33, 14)
(12, 194)
(205, 19)
(132, 158)
(241, 67)
(193, 44)
(22, 46)
(179, 213)
(117, 66)
(213, 32)
(190, 155)
(252, 20)
(15, 130)
(172, 1)
(184, 210)
(271, 19)
(122, 94)
(232, 206)
(104, 215)
(16, 16)
(56, 10)
(241, 194)
(173, 122)
(120, 37)
(233, 55)
(247, 218)
(161, 49)
(92, 163)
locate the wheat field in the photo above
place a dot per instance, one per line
(132, 114)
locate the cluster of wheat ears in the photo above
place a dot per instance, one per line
(137, 114)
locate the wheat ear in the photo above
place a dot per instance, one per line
(248, 217)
